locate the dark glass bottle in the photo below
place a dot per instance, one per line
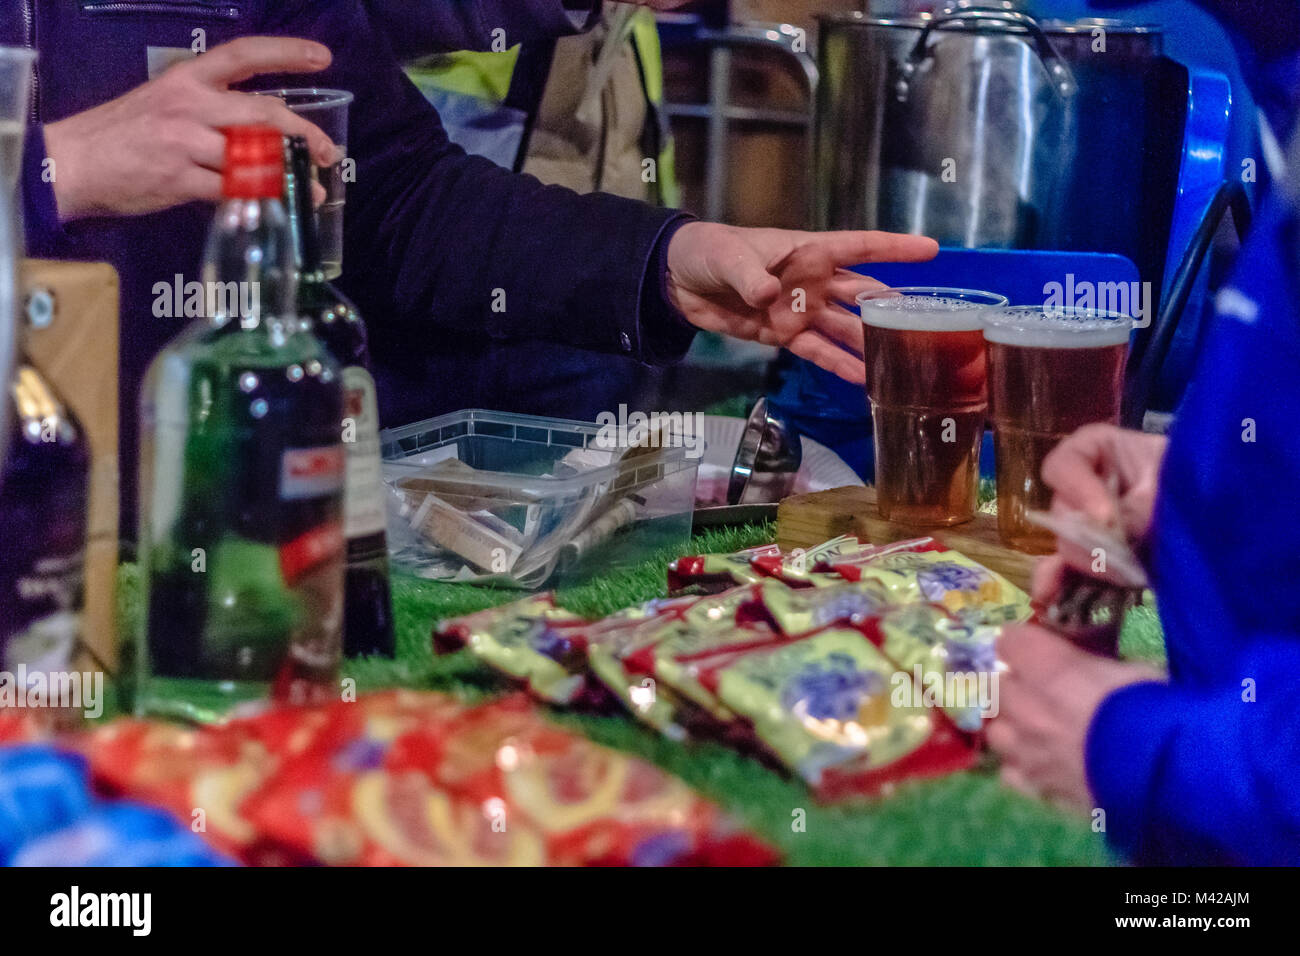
(43, 514)
(368, 617)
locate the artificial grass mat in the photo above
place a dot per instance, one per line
(966, 818)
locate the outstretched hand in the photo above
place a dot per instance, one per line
(782, 287)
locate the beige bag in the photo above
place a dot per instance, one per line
(590, 125)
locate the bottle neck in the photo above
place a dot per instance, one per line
(249, 271)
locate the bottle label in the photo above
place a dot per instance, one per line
(363, 488)
(47, 601)
(311, 472)
(310, 550)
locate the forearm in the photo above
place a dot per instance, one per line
(478, 248)
(1203, 775)
(436, 236)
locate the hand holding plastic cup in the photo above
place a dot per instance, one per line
(328, 109)
(926, 383)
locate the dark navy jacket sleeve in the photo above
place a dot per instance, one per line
(455, 240)
(1203, 769)
(419, 27)
(40, 209)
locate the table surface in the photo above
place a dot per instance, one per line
(967, 818)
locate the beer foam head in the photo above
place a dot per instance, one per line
(1053, 327)
(927, 309)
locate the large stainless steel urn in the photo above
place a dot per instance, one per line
(987, 128)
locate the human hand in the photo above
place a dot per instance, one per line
(1047, 699)
(782, 287)
(1110, 475)
(161, 144)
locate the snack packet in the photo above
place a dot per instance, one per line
(711, 573)
(609, 642)
(951, 579)
(849, 566)
(953, 664)
(331, 801)
(201, 776)
(594, 806)
(354, 810)
(679, 657)
(703, 627)
(493, 785)
(798, 611)
(823, 705)
(812, 567)
(531, 641)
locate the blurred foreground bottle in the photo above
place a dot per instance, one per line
(241, 474)
(367, 607)
(44, 497)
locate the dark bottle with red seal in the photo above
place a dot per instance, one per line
(367, 606)
(241, 474)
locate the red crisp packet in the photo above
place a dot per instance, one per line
(200, 775)
(594, 805)
(711, 573)
(824, 707)
(493, 785)
(348, 802)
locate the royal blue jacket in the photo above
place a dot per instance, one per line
(431, 233)
(1204, 769)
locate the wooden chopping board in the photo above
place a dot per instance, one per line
(806, 520)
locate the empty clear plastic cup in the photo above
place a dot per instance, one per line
(328, 109)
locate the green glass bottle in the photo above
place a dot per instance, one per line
(241, 479)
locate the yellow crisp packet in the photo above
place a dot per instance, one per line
(950, 579)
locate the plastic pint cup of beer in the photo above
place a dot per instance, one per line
(926, 385)
(1051, 370)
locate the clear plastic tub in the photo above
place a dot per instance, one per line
(491, 497)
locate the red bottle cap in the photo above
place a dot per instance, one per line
(254, 167)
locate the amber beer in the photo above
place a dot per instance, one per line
(925, 356)
(1051, 371)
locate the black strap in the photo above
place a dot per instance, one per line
(528, 86)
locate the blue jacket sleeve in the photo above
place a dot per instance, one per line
(420, 27)
(455, 240)
(1204, 775)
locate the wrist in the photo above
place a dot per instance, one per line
(68, 201)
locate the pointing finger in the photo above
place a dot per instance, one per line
(247, 57)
